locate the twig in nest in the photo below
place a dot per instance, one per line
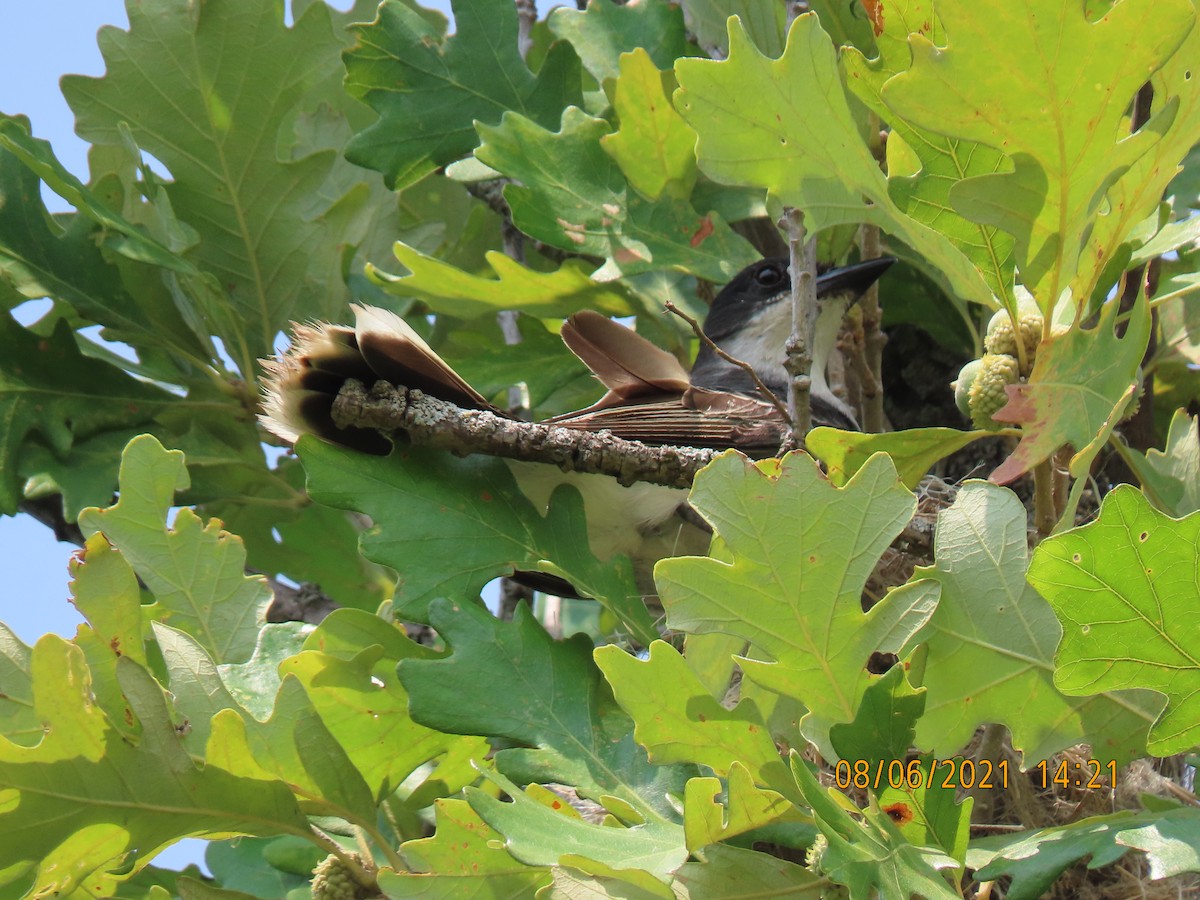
(766, 392)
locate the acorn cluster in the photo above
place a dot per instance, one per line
(980, 388)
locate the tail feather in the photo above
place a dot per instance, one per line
(396, 353)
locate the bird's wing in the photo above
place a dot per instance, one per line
(695, 418)
(625, 362)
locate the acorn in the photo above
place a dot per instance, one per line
(1001, 338)
(986, 395)
(962, 385)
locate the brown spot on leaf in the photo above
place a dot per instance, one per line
(874, 10)
(900, 813)
(703, 232)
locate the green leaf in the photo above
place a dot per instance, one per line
(1125, 587)
(195, 571)
(914, 451)
(605, 30)
(446, 289)
(464, 856)
(540, 836)
(1050, 88)
(58, 257)
(943, 161)
(1035, 859)
(40, 158)
(1078, 391)
(85, 476)
(678, 721)
(546, 695)
(801, 551)
(763, 20)
(885, 724)
(88, 796)
(935, 817)
(706, 820)
(451, 525)
(49, 388)
(430, 90)
(573, 195)
(786, 125)
(1171, 476)
(991, 643)
(348, 668)
(19, 722)
(208, 90)
(723, 870)
(871, 855)
(653, 146)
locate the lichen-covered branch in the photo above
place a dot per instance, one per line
(429, 422)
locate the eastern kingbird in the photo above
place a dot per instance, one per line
(651, 397)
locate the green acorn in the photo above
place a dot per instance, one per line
(333, 881)
(962, 385)
(1002, 339)
(986, 394)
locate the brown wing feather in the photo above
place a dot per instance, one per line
(699, 418)
(625, 362)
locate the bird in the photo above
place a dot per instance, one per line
(650, 398)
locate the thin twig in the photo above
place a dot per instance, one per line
(802, 265)
(766, 392)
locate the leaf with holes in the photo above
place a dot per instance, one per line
(991, 644)
(1125, 588)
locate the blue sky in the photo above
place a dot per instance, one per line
(39, 43)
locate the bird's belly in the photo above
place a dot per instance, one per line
(640, 521)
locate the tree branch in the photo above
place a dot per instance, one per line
(428, 422)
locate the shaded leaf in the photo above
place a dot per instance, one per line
(991, 644)
(543, 694)
(188, 84)
(1035, 859)
(448, 526)
(49, 388)
(605, 30)
(1171, 476)
(448, 84)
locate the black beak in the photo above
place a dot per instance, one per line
(852, 279)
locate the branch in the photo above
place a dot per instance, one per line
(802, 264)
(428, 422)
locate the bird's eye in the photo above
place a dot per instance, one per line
(769, 276)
